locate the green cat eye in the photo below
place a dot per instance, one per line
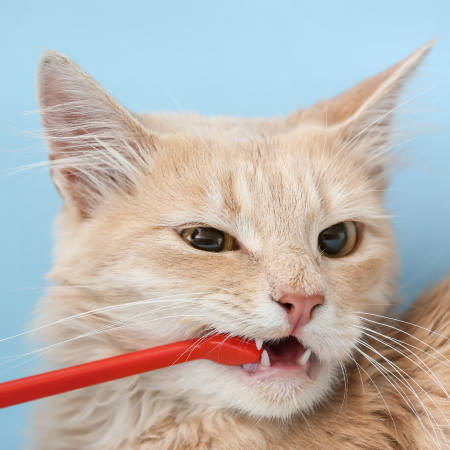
(338, 240)
(208, 239)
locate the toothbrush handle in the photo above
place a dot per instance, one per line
(219, 348)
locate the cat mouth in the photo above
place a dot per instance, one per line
(287, 354)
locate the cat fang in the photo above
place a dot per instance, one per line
(285, 357)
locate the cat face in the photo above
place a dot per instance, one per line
(133, 184)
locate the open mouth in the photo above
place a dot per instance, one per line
(286, 354)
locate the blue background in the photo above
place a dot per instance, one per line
(218, 58)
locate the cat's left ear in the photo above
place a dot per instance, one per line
(96, 146)
(363, 114)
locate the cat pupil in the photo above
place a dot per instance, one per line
(333, 239)
(208, 239)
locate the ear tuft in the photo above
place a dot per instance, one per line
(382, 90)
(363, 114)
(96, 146)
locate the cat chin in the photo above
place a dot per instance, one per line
(283, 392)
(277, 393)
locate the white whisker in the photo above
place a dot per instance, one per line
(387, 375)
(430, 374)
(403, 331)
(167, 298)
(49, 348)
(379, 392)
(403, 380)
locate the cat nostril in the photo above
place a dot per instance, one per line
(314, 308)
(286, 306)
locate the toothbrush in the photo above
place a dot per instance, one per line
(222, 349)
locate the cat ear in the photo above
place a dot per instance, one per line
(363, 114)
(95, 145)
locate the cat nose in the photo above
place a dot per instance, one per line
(299, 308)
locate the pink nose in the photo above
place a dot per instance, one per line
(299, 308)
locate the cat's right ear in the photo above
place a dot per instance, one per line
(96, 147)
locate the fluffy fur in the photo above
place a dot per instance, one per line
(131, 183)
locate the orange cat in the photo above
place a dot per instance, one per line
(179, 226)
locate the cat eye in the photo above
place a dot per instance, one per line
(338, 240)
(208, 239)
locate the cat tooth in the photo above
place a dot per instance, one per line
(265, 360)
(259, 343)
(304, 358)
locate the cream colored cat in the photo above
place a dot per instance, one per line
(177, 226)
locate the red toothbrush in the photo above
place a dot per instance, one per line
(218, 348)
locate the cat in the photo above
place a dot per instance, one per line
(177, 226)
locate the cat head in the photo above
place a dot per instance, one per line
(180, 226)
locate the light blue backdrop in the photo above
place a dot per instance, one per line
(235, 57)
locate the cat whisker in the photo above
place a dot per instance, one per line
(406, 345)
(228, 336)
(403, 381)
(24, 168)
(344, 373)
(91, 333)
(362, 342)
(43, 287)
(88, 333)
(369, 332)
(387, 376)
(359, 372)
(109, 327)
(167, 298)
(381, 395)
(430, 373)
(191, 348)
(203, 338)
(408, 334)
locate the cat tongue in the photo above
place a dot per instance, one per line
(284, 352)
